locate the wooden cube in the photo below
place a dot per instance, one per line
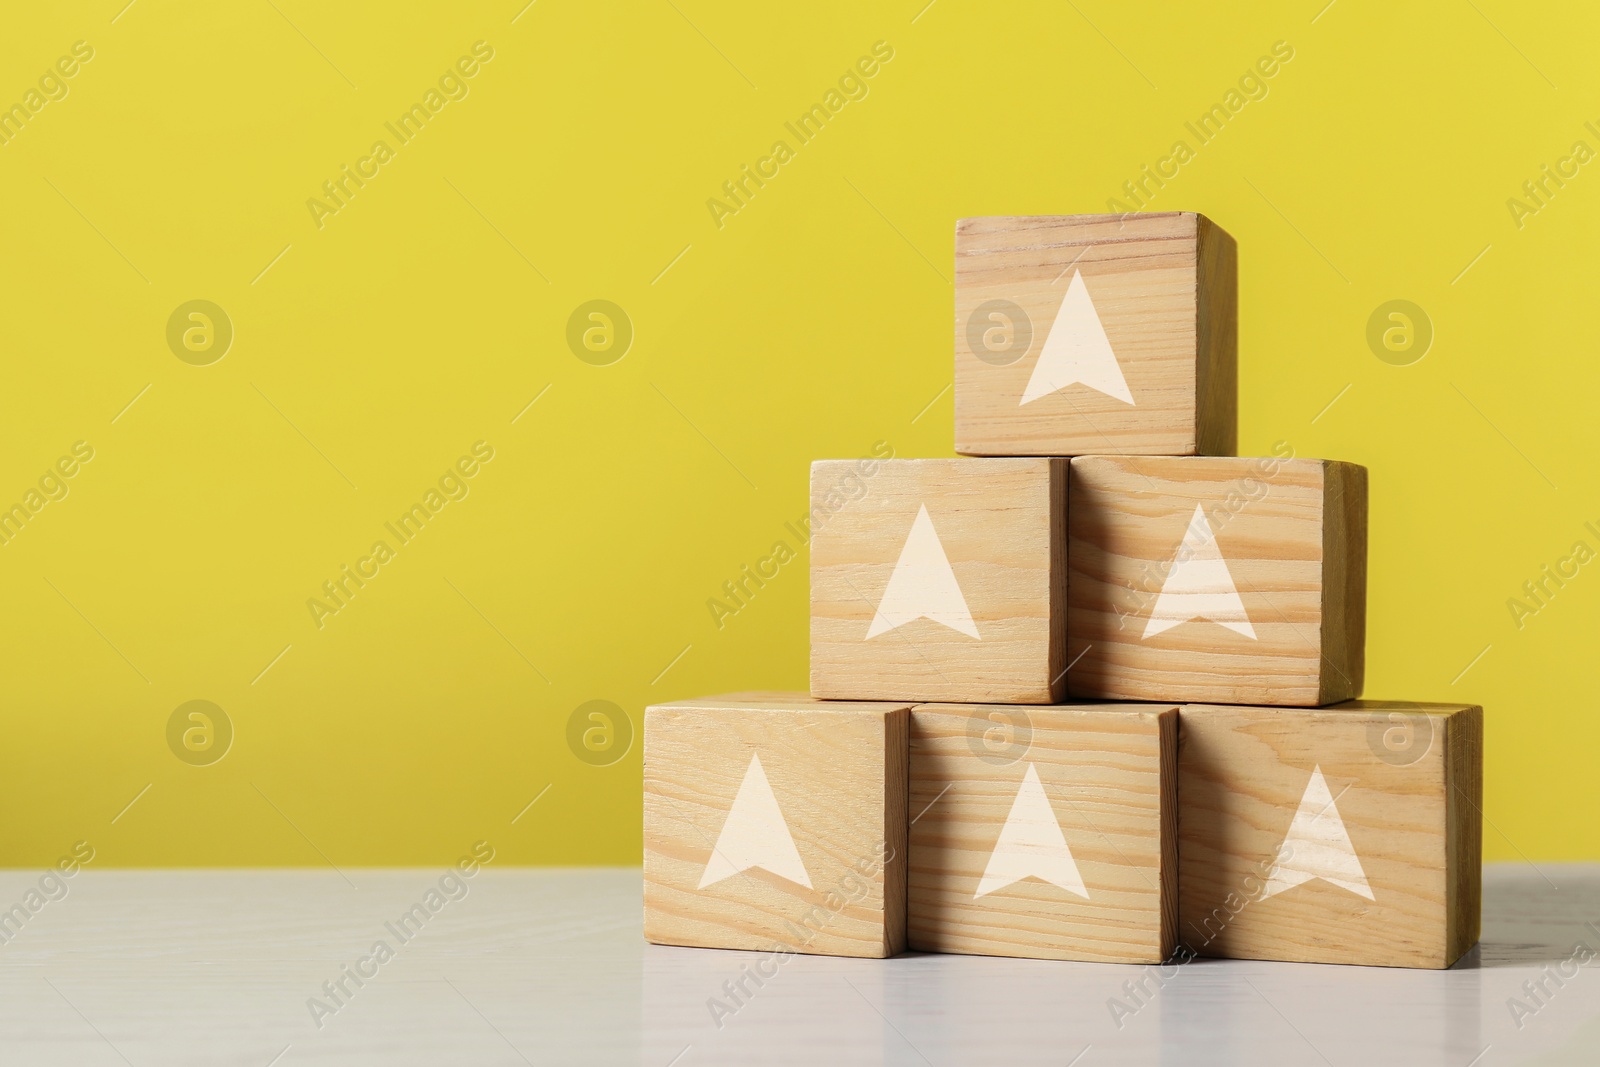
(1232, 581)
(1350, 834)
(1048, 832)
(942, 579)
(776, 823)
(1091, 334)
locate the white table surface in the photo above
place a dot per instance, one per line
(547, 966)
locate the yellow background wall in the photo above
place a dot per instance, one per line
(371, 351)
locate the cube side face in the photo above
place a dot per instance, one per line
(1060, 570)
(1168, 878)
(1217, 410)
(1042, 832)
(1196, 579)
(942, 581)
(1082, 334)
(1344, 591)
(1318, 835)
(1464, 765)
(896, 825)
(773, 828)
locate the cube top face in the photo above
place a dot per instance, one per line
(1095, 334)
(943, 580)
(776, 825)
(1372, 711)
(1239, 581)
(776, 699)
(1349, 834)
(1046, 832)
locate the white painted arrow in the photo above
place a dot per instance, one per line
(1199, 585)
(755, 835)
(923, 586)
(1317, 846)
(1031, 845)
(1077, 351)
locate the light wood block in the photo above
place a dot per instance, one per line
(1095, 334)
(1047, 832)
(772, 824)
(1350, 834)
(944, 580)
(1232, 581)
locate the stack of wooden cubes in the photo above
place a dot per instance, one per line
(1088, 693)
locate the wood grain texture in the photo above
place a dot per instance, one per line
(838, 775)
(1110, 775)
(1001, 524)
(1164, 287)
(1405, 782)
(1292, 533)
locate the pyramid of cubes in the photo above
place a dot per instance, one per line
(1088, 692)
